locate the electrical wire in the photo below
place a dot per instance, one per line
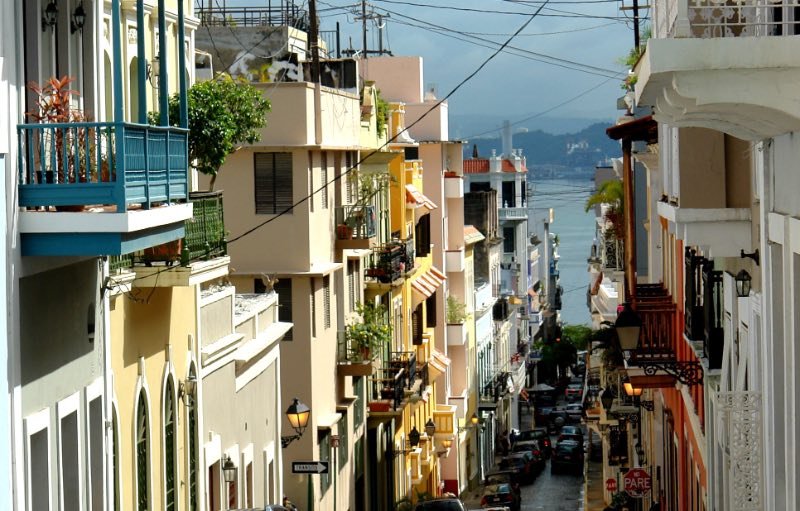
(423, 116)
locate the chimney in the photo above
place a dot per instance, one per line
(507, 139)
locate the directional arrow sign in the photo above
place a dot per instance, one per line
(310, 467)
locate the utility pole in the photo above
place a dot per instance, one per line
(364, 27)
(313, 36)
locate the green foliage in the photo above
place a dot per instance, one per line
(578, 335)
(223, 114)
(606, 339)
(381, 113)
(611, 193)
(373, 332)
(456, 311)
(619, 499)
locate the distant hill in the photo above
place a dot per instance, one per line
(580, 151)
(466, 126)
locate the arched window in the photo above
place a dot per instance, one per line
(142, 454)
(192, 446)
(169, 444)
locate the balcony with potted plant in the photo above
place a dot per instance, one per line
(361, 342)
(129, 181)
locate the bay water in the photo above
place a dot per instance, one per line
(575, 229)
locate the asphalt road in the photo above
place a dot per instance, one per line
(559, 492)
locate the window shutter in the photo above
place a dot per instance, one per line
(273, 183)
(324, 180)
(284, 289)
(416, 325)
(326, 296)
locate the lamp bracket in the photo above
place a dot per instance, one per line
(286, 440)
(688, 373)
(632, 417)
(647, 405)
(755, 256)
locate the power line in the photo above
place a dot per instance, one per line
(425, 114)
(557, 61)
(547, 111)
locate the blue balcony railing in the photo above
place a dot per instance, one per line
(76, 164)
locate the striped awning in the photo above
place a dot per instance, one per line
(415, 198)
(427, 283)
(437, 363)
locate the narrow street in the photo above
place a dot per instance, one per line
(559, 492)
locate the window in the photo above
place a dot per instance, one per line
(311, 196)
(96, 454)
(324, 180)
(430, 311)
(416, 325)
(422, 236)
(352, 271)
(508, 239)
(273, 183)
(313, 308)
(509, 198)
(142, 469)
(192, 450)
(342, 452)
(358, 406)
(326, 296)
(324, 440)
(411, 153)
(38, 460)
(284, 289)
(169, 445)
(70, 454)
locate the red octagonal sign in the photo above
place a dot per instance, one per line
(637, 482)
(611, 484)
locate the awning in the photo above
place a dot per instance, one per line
(415, 198)
(437, 363)
(427, 283)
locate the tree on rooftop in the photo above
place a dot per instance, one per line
(224, 114)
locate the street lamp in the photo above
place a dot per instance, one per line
(430, 428)
(298, 415)
(229, 470)
(413, 437)
(636, 393)
(474, 419)
(607, 399)
(78, 19)
(50, 16)
(743, 284)
(628, 325)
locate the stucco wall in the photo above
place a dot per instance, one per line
(784, 155)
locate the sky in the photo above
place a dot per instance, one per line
(595, 34)
(455, 36)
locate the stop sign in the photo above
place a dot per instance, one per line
(611, 484)
(637, 482)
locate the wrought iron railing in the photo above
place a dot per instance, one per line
(712, 18)
(612, 254)
(405, 361)
(389, 384)
(205, 231)
(714, 337)
(279, 15)
(118, 263)
(387, 263)
(76, 164)
(355, 222)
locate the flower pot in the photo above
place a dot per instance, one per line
(344, 232)
(168, 252)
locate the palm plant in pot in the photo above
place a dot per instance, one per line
(367, 337)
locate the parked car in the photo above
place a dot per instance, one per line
(500, 476)
(444, 504)
(522, 463)
(571, 433)
(537, 434)
(500, 495)
(574, 412)
(534, 447)
(574, 392)
(568, 455)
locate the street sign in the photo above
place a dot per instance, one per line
(310, 467)
(637, 482)
(611, 484)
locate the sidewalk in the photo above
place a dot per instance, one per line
(595, 487)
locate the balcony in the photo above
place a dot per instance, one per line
(454, 260)
(101, 188)
(513, 214)
(355, 227)
(453, 187)
(612, 254)
(387, 263)
(724, 231)
(456, 334)
(444, 416)
(350, 360)
(201, 253)
(700, 45)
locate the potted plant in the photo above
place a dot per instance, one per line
(456, 311)
(369, 335)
